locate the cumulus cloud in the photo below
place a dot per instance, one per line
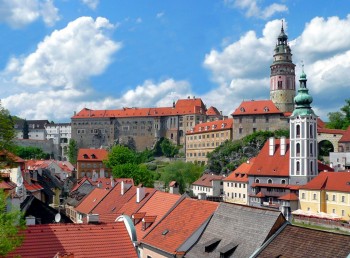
(252, 9)
(92, 4)
(67, 57)
(18, 13)
(242, 68)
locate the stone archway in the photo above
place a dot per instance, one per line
(325, 147)
(331, 135)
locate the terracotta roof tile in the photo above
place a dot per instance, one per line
(241, 173)
(92, 155)
(158, 205)
(32, 187)
(82, 240)
(132, 206)
(330, 131)
(346, 136)
(91, 200)
(213, 126)
(180, 224)
(256, 107)
(289, 197)
(206, 180)
(212, 111)
(331, 181)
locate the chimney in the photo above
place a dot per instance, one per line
(27, 177)
(283, 145)
(124, 187)
(112, 181)
(35, 175)
(271, 146)
(140, 193)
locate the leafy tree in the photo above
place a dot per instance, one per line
(168, 148)
(144, 156)
(25, 129)
(11, 222)
(138, 172)
(72, 151)
(157, 150)
(340, 119)
(231, 154)
(30, 152)
(7, 131)
(119, 155)
(182, 172)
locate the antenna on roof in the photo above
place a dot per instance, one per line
(57, 218)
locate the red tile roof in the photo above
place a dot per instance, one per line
(289, 197)
(32, 187)
(256, 107)
(206, 180)
(182, 107)
(92, 155)
(91, 200)
(241, 173)
(179, 224)
(272, 185)
(346, 136)
(320, 123)
(276, 165)
(7, 185)
(81, 240)
(331, 181)
(83, 180)
(330, 131)
(158, 205)
(212, 111)
(218, 125)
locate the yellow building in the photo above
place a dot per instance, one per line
(205, 137)
(329, 192)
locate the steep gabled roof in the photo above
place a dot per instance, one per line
(81, 240)
(241, 173)
(92, 155)
(206, 180)
(256, 107)
(179, 225)
(330, 181)
(91, 200)
(212, 111)
(295, 241)
(213, 126)
(237, 229)
(346, 136)
(275, 165)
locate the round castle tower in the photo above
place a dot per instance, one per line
(282, 78)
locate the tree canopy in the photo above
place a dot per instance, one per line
(30, 152)
(168, 148)
(340, 119)
(11, 222)
(231, 154)
(184, 173)
(72, 151)
(7, 131)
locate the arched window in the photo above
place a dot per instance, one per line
(283, 181)
(311, 132)
(298, 149)
(311, 150)
(298, 168)
(298, 130)
(257, 181)
(269, 181)
(312, 167)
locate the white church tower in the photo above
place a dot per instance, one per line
(303, 137)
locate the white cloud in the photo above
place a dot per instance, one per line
(19, 13)
(139, 20)
(252, 9)
(92, 4)
(67, 57)
(160, 15)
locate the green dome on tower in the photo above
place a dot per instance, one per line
(303, 99)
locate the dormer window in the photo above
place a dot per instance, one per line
(213, 126)
(206, 128)
(242, 109)
(266, 109)
(86, 156)
(223, 125)
(93, 156)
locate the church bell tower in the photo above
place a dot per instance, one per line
(282, 77)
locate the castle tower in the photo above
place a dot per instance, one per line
(303, 137)
(282, 77)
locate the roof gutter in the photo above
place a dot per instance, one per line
(261, 248)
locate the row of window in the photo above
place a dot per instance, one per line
(237, 185)
(334, 211)
(208, 136)
(91, 165)
(235, 195)
(315, 197)
(270, 181)
(201, 188)
(203, 154)
(208, 144)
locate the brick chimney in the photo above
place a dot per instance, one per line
(140, 193)
(271, 146)
(283, 146)
(124, 187)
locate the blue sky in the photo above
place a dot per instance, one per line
(60, 56)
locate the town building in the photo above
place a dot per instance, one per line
(90, 163)
(36, 129)
(270, 115)
(328, 193)
(141, 127)
(60, 134)
(208, 185)
(236, 184)
(203, 138)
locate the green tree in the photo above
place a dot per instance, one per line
(11, 222)
(72, 151)
(119, 155)
(7, 131)
(25, 129)
(30, 152)
(138, 172)
(168, 148)
(340, 119)
(182, 172)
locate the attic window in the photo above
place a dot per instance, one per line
(93, 156)
(165, 232)
(85, 156)
(206, 128)
(211, 245)
(223, 125)
(213, 126)
(242, 109)
(227, 250)
(266, 109)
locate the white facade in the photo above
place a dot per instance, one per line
(340, 161)
(60, 134)
(236, 192)
(216, 189)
